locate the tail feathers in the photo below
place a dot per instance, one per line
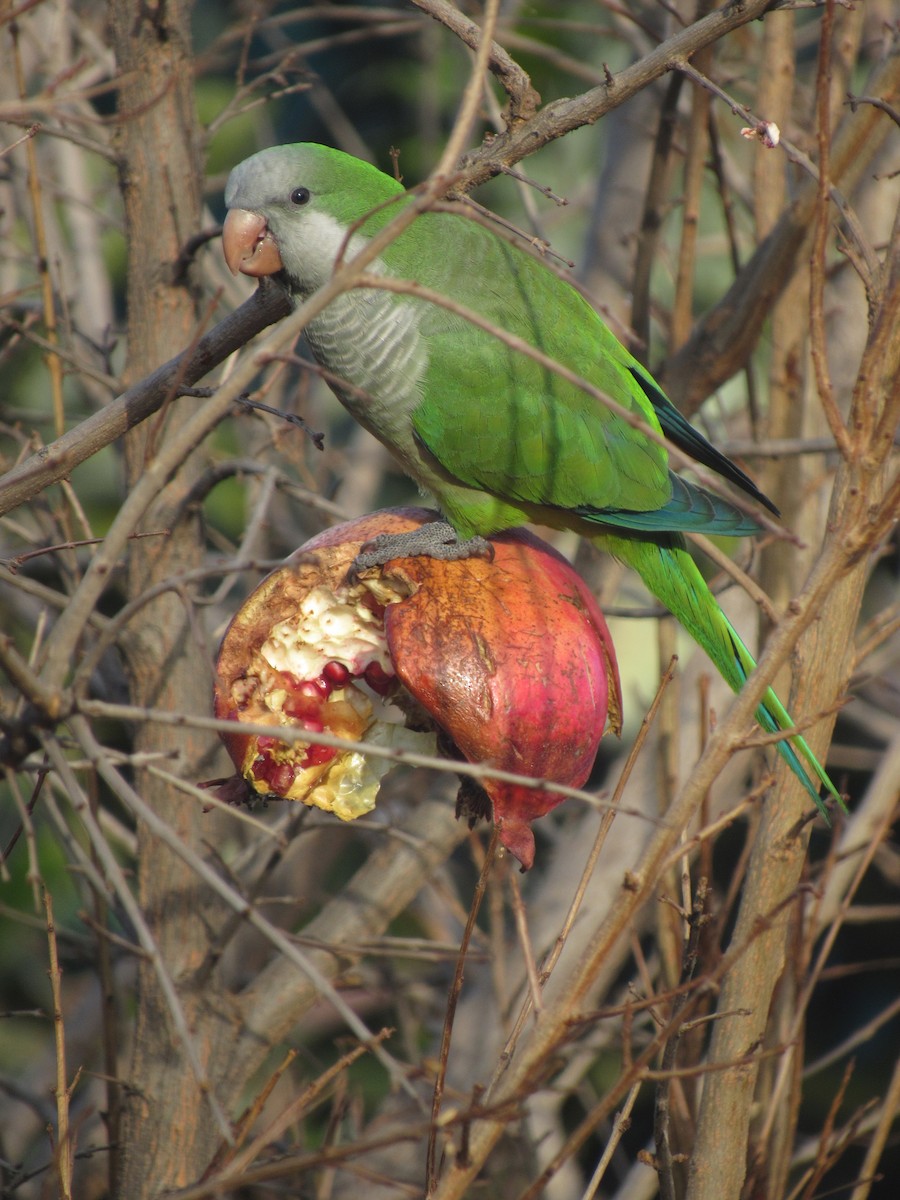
(672, 576)
(774, 718)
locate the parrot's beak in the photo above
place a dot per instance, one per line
(248, 245)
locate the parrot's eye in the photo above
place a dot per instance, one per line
(300, 196)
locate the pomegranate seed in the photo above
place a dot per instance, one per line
(316, 755)
(378, 679)
(277, 776)
(336, 673)
(282, 778)
(303, 706)
(314, 688)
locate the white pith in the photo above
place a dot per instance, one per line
(330, 628)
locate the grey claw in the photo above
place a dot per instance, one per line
(437, 539)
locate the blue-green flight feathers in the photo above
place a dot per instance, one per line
(497, 437)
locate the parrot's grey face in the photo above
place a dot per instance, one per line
(277, 220)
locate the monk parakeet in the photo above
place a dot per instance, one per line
(495, 436)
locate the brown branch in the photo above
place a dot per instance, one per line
(64, 1149)
(237, 1161)
(549, 964)
(817, 335)
(892, 112)
(861, 503)
(523, 99)
(57, 461)
(129, 712)
(40, 237)
(392, 875)
(452, 1001)
(114, 874)
(694, 172)
(724, 338)
(886, 1118)
(652, 215)
(562, 116)
(666, 1160)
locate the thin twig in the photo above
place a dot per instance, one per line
(662, 1127)
(621, 1125)
(877, 1142)
(431, 1177)
(548, 966)
(65, 1146)
(817, 333)
(237, 1162)
(40, 237)
(521, 920)
(131, 712)
(114, 874)
(524, 100)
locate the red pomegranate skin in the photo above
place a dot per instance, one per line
(514, 660)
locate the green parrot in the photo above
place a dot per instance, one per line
(495, 436)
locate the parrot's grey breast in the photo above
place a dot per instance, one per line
(372, 340)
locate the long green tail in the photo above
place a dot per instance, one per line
(672, 576)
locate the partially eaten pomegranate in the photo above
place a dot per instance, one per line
(308, 651)
(511, 658)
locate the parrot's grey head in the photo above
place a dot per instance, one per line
(290, 208)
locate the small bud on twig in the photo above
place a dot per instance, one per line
(766, 132)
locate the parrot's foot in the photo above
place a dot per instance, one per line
(437, 539)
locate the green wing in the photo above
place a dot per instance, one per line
(497, 420)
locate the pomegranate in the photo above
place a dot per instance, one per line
(510, 657)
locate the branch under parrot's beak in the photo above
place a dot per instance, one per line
(248, 245)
